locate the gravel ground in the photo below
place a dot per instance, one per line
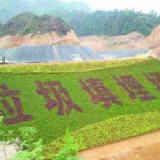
(11, 151)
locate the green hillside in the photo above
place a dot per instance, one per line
(112, 23)
(84, 112)
(28, 23)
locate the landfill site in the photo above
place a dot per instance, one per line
(62, 53)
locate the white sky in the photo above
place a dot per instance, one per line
(143, 5)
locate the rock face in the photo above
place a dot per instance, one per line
(102, 43)
(39, 39)
(154, 40)
(154, 37)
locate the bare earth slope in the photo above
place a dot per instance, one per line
(154, 37)
(38, 39)
(154, 40)
(102, 43)
(145, 147)
(30, 29)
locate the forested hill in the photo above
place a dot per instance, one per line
(11, 8)
(84, 21)
(112, 23)
(26, 23)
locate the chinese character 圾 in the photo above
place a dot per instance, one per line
(133, 87)
(154, 78)
(15, 112)
(61, 97)
(99, 92)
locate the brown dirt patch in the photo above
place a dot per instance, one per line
(102, 43)
(41, 39)
(145, 147)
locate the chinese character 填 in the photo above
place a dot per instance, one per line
(99, 92)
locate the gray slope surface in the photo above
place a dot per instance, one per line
(62, 53)
(45, 53)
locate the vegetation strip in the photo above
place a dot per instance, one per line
(111, 130)
(69, 67)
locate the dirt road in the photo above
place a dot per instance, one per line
(145, 147)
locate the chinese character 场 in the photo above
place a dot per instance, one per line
(99, 92)
(61, 97)
(133, 87)
(15, 112)
(153, 78)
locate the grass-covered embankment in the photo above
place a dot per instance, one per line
(111, 130)
(52, 126)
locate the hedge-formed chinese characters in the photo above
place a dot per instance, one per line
(133, 88)
(57, 97)
(61, 99)
(99, 92)
(154, 78)
(15, 112)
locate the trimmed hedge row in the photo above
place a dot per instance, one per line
(69, 67)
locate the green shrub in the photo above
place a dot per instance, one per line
(69, 149)
(29, 149)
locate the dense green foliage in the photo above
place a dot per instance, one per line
(26, 23)
(9, 8)
(111, 130)
(5, 135)
(78, 15)
(111, 23)
(51, 126)
(30, 149)
(69, 149)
